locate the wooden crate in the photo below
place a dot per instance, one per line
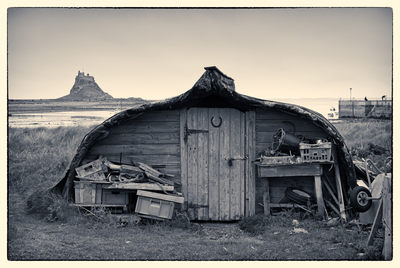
(87, 192)
(91, 171)
(156, 205)
(114, 197)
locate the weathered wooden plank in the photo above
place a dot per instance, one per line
(155, 159)
(213, 164)
(138, 149)
(192, 142)
(319, 195)
(387, 218)
(146, 127)
(159, 116)
(377, 223)
(267, 137)
(267, 114)
(184, 157)
(338, 184)
(242, 163)
(235, 171)
(250, 128)
(291, 126)
(138, 186)
(172, 198)
(224, 169)
(329, 189)
(266, 199)
(141, 138)
(290, 170)
(202, 163)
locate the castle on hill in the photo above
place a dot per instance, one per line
(85, 88)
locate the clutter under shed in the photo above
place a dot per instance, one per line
(121, 188)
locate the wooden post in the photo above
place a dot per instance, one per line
(338, 184)
(387, 218)
(318, 193)
(376, 224)
(324, 183)
(266, 198)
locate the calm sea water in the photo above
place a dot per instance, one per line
(326, 107)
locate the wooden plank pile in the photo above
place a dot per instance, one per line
(104, 170)
(106, 184)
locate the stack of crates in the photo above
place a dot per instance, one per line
(321, 152)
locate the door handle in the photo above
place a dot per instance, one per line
(230, 160)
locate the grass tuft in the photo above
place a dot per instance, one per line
(38, 157)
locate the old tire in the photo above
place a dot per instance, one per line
(298, 196)
(359, 199)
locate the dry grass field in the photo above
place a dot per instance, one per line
(37, 158)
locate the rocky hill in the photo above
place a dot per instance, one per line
(86, 89)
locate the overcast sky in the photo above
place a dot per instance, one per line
(159, 53)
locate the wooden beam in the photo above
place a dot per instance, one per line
(139, 186)
(332, 207)
(319, 195)
(376, 224)
(297, 170)
(250, 171)
(99, 205)
(326, 185)
(338, 184)
(266, 198)
(387, 218)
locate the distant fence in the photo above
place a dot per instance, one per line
(362, 108)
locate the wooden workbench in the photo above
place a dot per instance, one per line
(293, 170)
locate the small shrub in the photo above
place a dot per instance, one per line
(50, 206)
(61, 210)
(179, 220)
(39, 202)
(256, 224)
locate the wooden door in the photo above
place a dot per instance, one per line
(215, 163)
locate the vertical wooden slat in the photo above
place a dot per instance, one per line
(224, 153)
(213, 171)
(235, 170)
(192, 163)
(266, 198)
(387, 218)
(202, 163)
(242, 163)
(376, 224)
(247, 170)
(250, 128)
(318, 193)
(184, 157)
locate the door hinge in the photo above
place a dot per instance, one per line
(189, 131)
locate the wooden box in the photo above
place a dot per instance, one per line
(91, 171)
(114, 197)
(156, 205)
(87, 192)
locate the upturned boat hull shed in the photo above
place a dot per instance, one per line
(208, 138)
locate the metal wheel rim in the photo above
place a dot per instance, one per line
(362, 198)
